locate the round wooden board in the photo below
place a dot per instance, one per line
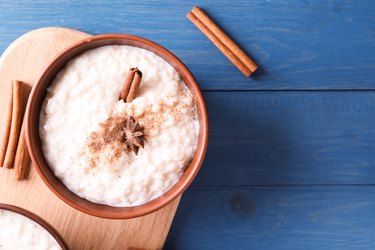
(25, 60)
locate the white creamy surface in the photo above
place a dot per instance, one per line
(20, 232)
(85, 93)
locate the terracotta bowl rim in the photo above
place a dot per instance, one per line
(106, 211)
(37, 219)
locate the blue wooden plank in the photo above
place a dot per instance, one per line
(265, 138)
(298, 44)
(275, 218)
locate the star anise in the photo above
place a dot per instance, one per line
(133, 135)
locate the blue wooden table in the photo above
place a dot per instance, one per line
(291, 158)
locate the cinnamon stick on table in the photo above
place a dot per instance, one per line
(17, 89)
(8, 124)
(222, 41)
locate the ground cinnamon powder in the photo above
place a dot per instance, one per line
(110, 136)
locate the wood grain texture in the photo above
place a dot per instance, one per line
(310, 217)
(314, 44)
(265, 138)
(24, 60)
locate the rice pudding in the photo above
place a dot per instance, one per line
(20, 232)
(82, 118)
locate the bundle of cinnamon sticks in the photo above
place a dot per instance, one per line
(13, 151)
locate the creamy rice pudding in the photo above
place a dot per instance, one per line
(83, 127)
(20, 232)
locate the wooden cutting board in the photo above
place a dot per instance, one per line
(25, 60)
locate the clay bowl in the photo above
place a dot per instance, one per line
(34, 144)
(38, 220)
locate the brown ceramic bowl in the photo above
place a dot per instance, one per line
(35, 148)
(38, 220)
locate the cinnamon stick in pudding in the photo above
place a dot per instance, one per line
(8, 124)
(131, 84)
(16, 123)
(134, 86)
(222, 41)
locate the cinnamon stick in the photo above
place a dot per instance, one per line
(8, 124)
(22, 159)
(16, 124)
(222, 41)
(134, 86)
(126, 85)
(131, 84)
